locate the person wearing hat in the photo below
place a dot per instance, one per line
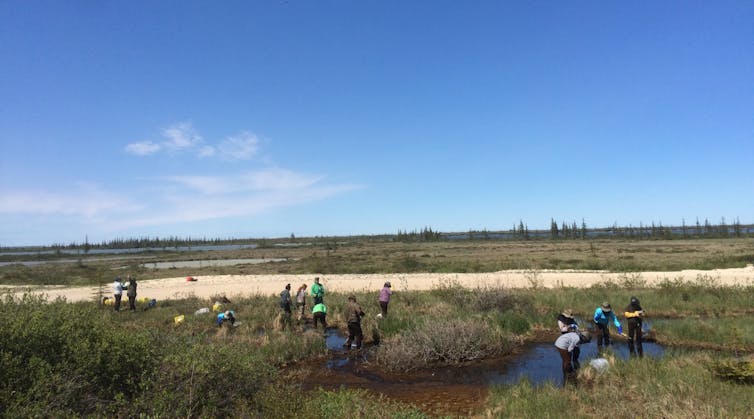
(353, 316)
(603, 315)
(634, 314)
(565, 319)
(317, 291)
(384, 299)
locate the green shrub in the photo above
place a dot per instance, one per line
(74, 358)
(514, 323)
(734, 370)
(208, 380)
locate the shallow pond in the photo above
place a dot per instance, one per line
(450, 390)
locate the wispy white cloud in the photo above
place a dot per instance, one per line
(183, 137)
(239, 147)
(86, 201)
(171, 200)
(272, 179)
(143, 148)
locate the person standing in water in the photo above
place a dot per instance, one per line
(634, 315)
(319, 312)
(567, 345)
(353, 315)
(603, 316)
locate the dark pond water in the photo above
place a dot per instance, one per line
(450, 390)
(540, 363)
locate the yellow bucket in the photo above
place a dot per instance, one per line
(179, 319)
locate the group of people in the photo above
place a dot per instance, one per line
(130, 288)
(353, 311)
(571, 337)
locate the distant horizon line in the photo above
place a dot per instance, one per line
(539, 233)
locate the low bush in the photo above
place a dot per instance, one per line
(738, 371)
(68, 357)
(442, 342)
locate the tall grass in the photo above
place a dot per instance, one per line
(676, 386)
(64, 359)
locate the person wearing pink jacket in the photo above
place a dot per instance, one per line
(384, 299)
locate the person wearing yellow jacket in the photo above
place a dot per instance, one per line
(634, 314)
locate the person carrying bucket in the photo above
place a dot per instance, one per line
(603, 315)
(634, 314)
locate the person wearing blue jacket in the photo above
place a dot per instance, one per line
(226, 316)
(603, 315)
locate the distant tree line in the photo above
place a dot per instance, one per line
(520, 231)
(151, 242)
(425, 235)
(574, 230)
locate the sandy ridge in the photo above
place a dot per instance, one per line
(244, 285)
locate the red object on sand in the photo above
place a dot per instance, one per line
(190, 279)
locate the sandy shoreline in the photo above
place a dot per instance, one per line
(244, 285)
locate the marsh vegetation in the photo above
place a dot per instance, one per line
(76, 359)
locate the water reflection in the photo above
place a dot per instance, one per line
(540, 363)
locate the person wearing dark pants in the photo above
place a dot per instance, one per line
(567, 345)
(353, 317)
(603, 316)
(285, 304)
(117, 292)
(634, 314)
(319, 312)
(131, 293)
(384, 299)
(317, 291)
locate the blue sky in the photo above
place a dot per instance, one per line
(266, 118)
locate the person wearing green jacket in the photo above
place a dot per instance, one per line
(318, 291)
(320, 315)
